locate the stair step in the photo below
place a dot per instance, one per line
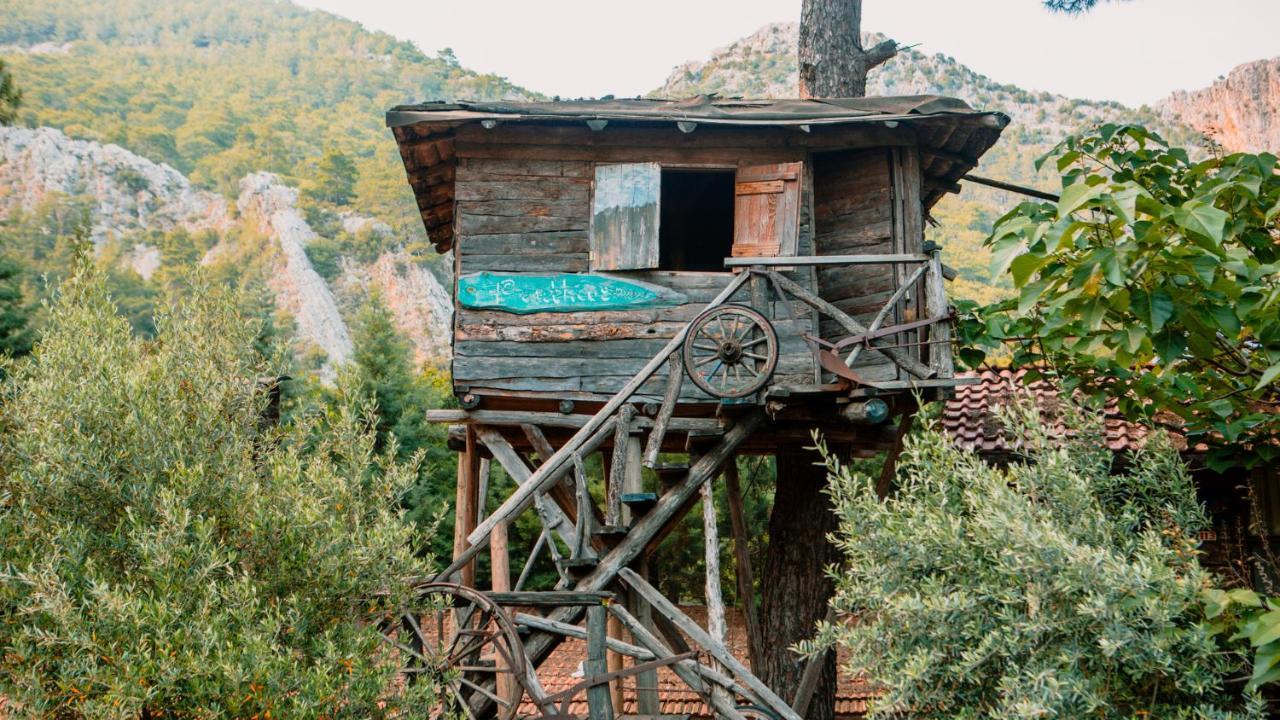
(670, 468)
(609, 532)
(578, 567)
(640, 502)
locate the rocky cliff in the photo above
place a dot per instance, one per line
(1241, 111)
(128, 197)
(272, 207)
(129, 192)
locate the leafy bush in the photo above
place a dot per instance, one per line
(165, 551)
(1053, 587)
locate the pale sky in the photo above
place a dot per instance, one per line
(1135, 52)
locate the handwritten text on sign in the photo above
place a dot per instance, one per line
(562, 292)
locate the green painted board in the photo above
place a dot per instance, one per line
(561, 292)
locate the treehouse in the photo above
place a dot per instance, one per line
(668, 284)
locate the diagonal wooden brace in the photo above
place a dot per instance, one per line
(651, 526)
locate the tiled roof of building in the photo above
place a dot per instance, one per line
(972, 416)
(563, 669)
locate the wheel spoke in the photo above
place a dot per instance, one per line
(705, 360)
(713, 372)
(484, 691)
(755, 342)
(755, 356)
(712, 347)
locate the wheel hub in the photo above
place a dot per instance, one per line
(730, 351)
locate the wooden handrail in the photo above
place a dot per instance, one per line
(888, 259)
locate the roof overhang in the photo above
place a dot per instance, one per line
(951, 135)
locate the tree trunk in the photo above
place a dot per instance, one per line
(795, 588)
(833, 62)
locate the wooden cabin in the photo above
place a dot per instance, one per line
(646, 279)
(587, 234)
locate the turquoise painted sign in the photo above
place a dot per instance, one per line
(562, 292)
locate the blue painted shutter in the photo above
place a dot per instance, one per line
(624, 216)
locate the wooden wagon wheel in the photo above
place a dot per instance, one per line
(731, 351)
(461, 641)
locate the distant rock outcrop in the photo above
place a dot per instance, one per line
(126, 192)
(1241, 112)
(273, 206)
(419, 302)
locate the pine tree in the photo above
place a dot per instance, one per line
(382, 364)
(335, 180)
(15, 332)
(10, 96)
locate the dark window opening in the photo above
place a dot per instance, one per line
(695, 230)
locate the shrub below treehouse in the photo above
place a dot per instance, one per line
(1053, 587)
(164, 551)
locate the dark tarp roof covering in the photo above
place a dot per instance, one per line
(951, 135)
(703, 108)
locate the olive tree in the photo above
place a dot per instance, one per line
(1050, 587)
(166, 551)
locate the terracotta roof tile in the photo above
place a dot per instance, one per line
(971, 418)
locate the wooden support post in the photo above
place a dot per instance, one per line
(717, 650)
(935, 303)
(500, 581)
(647, 701)
(618, 468)
(670, 398)
(716, 624)
(615, 664)
(465, 506)
(599, 704)
(582, 529)
(533, 558)
(742, 563)
(482, 491)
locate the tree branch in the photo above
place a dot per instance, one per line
(881, 53)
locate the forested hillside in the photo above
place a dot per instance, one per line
(222, 88)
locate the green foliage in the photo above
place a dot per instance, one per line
(1049, 588)
(10, 96)
(382, 370)
(15, 330)
(165, 552)
(1155, 281)
(334, 180)
(1241, 614)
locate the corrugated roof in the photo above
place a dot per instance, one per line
(708, 109)
(562, 669)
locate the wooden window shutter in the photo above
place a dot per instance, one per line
(624, 216)
(766, 210)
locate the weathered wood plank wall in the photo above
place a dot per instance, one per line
(524, 205)
(854, 214)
